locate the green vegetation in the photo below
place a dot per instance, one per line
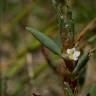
(41, 66)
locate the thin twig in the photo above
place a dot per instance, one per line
(88, 28)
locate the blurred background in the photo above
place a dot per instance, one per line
(24, 68)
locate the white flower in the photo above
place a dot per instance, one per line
(73, 54)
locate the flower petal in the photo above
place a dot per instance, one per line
(76, 54)
(69, 51)
(73, 54)
(73, 49)
(75, 59)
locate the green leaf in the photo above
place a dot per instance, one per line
(46, 41)
(82, 61)
(68, 89)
